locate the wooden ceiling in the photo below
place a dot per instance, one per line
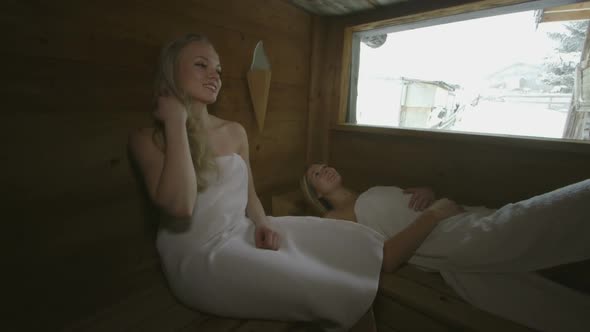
(341, 7)
(577, 11)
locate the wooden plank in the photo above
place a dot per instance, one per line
(234, 103)
(68, 162)
(290, 203)
(414, 13)
(345, 77)
(70, 292)
(215, 324)
(55, 309)
(448, 167)
(457, 314)
(129, 245)
(316, 87)
(61, 85)
(264, 326)
(551, 145)
(80, 80)
(250, 17)
(99, 147)
(194, 324)
(385, 328)
(565, 16)
(130, 312)
(324, 93)
(401, 318)
(246, 15)
(89, 33)
(565, 8)
(367, 323)
(172, 319)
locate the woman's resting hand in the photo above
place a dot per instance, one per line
(266, 237)
(444, 208)
(421, 198)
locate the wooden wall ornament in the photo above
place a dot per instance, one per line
(259, 83)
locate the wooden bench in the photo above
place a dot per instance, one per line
(408, 300)
(156, 310)
(413, 300)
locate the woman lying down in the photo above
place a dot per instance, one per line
(487, 256)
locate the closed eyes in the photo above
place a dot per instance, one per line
(203, 65)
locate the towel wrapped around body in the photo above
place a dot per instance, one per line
(488, 256)
(325, 270)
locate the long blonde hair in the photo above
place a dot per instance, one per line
(167, 83)
(320, 206)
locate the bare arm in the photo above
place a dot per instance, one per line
(266, 238)
(170, 177)
(398, 249)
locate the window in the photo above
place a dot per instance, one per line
(511, 71)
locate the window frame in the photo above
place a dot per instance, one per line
(351, 52)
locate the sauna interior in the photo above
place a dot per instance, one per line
(79, 251)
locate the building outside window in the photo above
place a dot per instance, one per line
(516, 73)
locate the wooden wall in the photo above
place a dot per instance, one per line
(473, 169)
(77, 78)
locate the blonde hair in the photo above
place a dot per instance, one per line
(311, 197)
(167, 84)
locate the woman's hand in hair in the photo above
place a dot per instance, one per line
(422, 198)
(266, 237)
(444, 208)
(170, 110)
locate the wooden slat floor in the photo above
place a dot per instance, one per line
(156, 310)
(408, 300)
(414, 300)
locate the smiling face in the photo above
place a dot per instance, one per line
(199, 72)
(323, 179)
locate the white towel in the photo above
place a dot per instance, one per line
(488, 256)
(325, 270)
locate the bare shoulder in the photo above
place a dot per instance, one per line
(239, 138)
(236, 130)
(231, 128)
(238, 135)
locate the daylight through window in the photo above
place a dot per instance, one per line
(512, 74)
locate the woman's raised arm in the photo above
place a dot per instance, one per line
(170, 176)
